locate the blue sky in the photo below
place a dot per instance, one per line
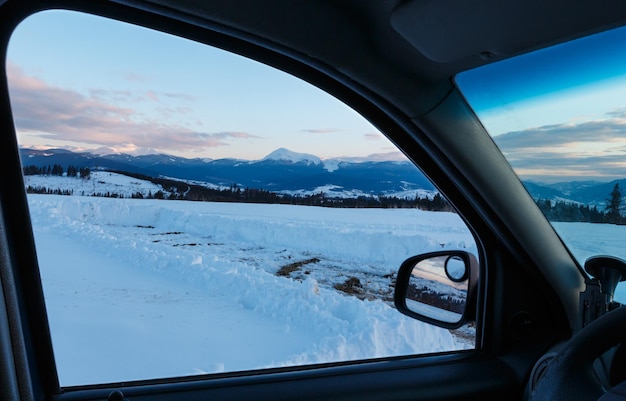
(84, 82)
(581, 79)
(558, 114)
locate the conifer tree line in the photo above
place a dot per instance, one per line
(57, 169)
(614, 206)
(559, 211)
(182, 191)
(571, 212)
(179, 190)
(47, 191)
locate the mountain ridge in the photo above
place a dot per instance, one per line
(280, 171)
(287, 171)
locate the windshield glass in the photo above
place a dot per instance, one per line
(559, 116)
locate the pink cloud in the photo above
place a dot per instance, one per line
(321, 131)
(67, 115)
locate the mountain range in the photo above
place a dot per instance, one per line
(280, 171)
(592, 193)
(292, 172)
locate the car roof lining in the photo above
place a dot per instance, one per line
(459, 31)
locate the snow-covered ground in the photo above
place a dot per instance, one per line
(100, 182)
(139, 288)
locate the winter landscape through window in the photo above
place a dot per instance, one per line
(222, 215)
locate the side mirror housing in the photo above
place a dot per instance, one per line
(438, 288)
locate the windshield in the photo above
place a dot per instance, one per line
(559, 117)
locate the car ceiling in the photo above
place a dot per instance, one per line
(405, 51)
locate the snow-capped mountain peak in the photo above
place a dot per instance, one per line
(128, 149)
(283, 154)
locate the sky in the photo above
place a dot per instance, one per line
(557, 114)
(83, 82)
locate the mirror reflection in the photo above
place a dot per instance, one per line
(438, 288)
(455, 269)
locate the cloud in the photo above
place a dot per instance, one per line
(180, 96)
(586, 149)
(609, 130)
(389, 156)
(394, 156)
(66, 115)
(618, 113)
(119, 96)
(321, 131)
(372, 136)
(233, 135)
(152, 96)
(133, 77)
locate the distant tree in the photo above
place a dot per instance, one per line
(614, 205)
(57, 169)
(31, 170)
(72, 171)
(84, 172)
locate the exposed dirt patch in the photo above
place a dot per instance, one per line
(351, 286)
(286, 270)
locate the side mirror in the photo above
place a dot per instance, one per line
(438, 288)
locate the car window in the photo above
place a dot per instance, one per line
(558, 116)
(197, 212)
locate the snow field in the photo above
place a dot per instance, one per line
(140, 289)
(100, 182)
